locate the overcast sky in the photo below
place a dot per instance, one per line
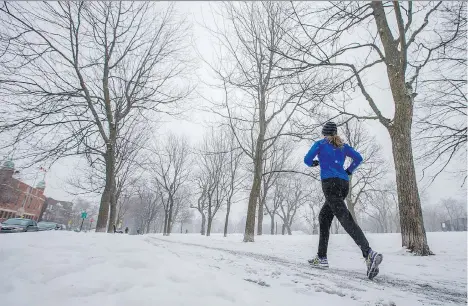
(444, 186)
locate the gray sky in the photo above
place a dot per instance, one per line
(444, 186)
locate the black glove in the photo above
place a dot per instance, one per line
(349, 173)
(315, 163)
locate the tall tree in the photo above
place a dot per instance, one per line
(265, 97)
(170, 171)
(129, 157)
(395, 36)
(212, 160)
(181, 212)
(76, 75)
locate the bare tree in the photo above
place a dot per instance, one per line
(315, 201)
(296, 195)
(447, 209)
(211, 162)
(453, 209)
(266, 98)
(235, 178)
(129, 158)
(76, 75)
(219, 164)
(201, 202)
(441, 117)
(123, 204)
(433, 217)
(391, 35)
(169, 170)
(382, 207)
(181, 211)
(149, 206)
(275, 161)
(273, 204)
(144, 208)
(184, 216)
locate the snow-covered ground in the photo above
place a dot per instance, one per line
(67, 268)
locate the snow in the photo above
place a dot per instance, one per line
(68, 268)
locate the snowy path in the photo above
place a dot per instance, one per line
(76, 269)
(384, 290)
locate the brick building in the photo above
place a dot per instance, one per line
(18, 199)
(57, 211)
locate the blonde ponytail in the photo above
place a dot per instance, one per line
(335, 140)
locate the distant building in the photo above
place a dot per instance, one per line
(18, 199)
(455, 225)
(57, 211)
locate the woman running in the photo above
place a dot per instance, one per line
(332, 152)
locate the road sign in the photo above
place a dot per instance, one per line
(84, 215)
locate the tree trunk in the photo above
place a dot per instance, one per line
(226, 222)
(413, 233)
(166, 215)
(203, 224)
(113, 207)
(109, 157)
(106, 198)
(283, 229)
(272, 224)
(208, 227)
(101, 223)
(148, 227)
(260, 219)
(169, 218)
(288, 227)
(261, 205)
(210, 217)
(249, 233)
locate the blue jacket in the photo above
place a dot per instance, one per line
(332, 159)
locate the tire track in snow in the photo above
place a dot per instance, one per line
(344, 278)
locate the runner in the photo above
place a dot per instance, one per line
(332, 152)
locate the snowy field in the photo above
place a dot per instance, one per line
(67, 268)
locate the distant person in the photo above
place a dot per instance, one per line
(115, 230)
(332, 152)
(126, 230)
(138, 232)
(186, 231)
